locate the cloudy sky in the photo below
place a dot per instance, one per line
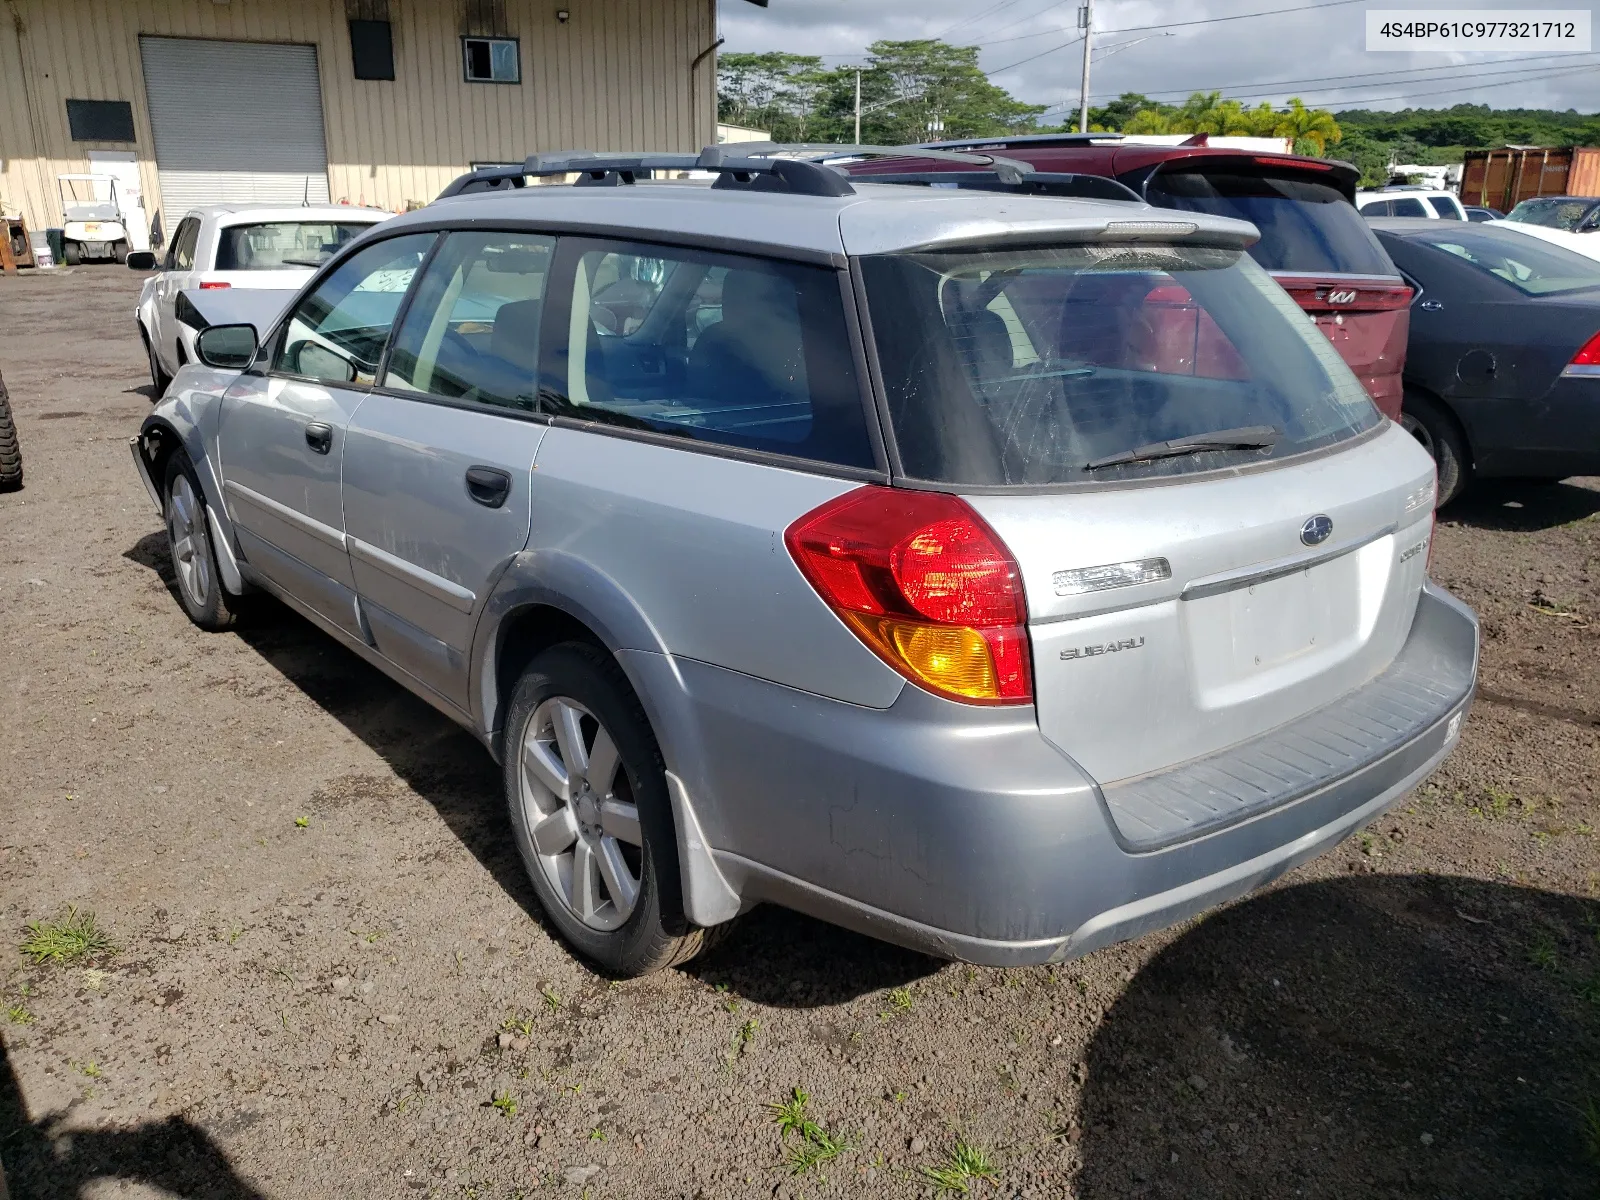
(1030, 48)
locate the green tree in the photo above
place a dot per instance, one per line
(774, 91)
(1313, 125)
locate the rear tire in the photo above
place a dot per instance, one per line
(194, 559)
(587, 793)
(10, 451)
(1437, 432)
(72, 254)
(119, 251)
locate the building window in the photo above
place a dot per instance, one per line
(491, 60)
(372, 49)
(100, 120)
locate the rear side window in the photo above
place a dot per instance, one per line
(1445, 207)
(472, 332)
(712, 348)
(1532, 267)
(1407, 206)
(1305, 225)
(279, 245)
(1375, 208)
(1026, 366)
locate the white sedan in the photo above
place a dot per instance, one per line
(1586, 243)
(223, 246)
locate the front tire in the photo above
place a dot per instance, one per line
(587, 792)
(119, 251)
(158, 376)
(72, 254)
(194, 559)
(1437, 433)
(10, 451)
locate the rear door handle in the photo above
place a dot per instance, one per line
(489, 486)
(319, 436)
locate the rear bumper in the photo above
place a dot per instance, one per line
(1555, 436)
(961, 832)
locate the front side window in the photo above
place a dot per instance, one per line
(491, 60)
(283, 245)
(1305, 225)
(713, 348)
(337, 333)
(472, 332)
(1029, 366)
(183, 243)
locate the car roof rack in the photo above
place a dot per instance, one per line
(1040, 183)
(748, 166)
(1026, 140)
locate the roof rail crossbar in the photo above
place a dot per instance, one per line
(758, 172)
(1010, 170)
(1040, 183)
(485, 179)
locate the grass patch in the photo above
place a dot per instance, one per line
(505, 1103)
(70, 937)
(18, 1014)
(806, 1144)
(517, 1026)
(900, 999)
(1542, 953)
(964, 1165)
(552, 998)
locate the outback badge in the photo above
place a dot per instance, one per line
(1316, 529)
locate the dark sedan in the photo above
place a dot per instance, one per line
(1502, 374)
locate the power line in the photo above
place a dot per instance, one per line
(993, 8)
(1021, 20)
(1031, 57)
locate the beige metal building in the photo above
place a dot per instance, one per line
(378, 102)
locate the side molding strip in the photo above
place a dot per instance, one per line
(437, 586)
(323, 533)
(707, 898)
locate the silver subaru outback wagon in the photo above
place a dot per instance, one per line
(997, 575)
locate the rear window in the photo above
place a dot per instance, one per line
(1551, 212)
(1532, 267)
(1023, 367)
(1305, 225)
(283, 245)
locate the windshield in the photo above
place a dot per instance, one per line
(1553, 212)
(1533, 267)
(283, 245)
(1024, 366)
(1305, 225)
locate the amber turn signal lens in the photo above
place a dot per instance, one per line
(948, 658)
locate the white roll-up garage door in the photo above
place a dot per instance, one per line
(235, 123)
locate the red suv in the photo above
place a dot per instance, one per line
(1313, 241)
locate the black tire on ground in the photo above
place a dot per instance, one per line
(194, 558)
(157, 376)
(10, 451)
(72, 254)
(655, 935)
(119, 251)
(1436, 429)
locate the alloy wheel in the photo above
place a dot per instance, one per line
(579, 811)
(191, 552)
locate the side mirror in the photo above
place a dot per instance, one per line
(227, 347)
(141, 260)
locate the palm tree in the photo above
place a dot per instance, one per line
(1315, 125)
(1148, 120)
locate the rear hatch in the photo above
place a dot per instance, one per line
(1179, 600)
(1316, 245)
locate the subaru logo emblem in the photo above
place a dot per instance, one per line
(1316, 530)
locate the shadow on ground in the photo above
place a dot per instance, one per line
(1522, 506)
(772, 956)
(44, 1162)
(1373, 1036)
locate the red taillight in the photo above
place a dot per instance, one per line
(926, 584)
(211, 285)
(1589, 356)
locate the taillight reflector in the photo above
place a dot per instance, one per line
(212, 285)
(926, 584)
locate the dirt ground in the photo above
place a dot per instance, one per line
(321, 929)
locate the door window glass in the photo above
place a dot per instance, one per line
(183, 244)
(472, 332)
(713, 348)
(1409, 206)
(1445, 207)
(337, 333)
(1375, 208)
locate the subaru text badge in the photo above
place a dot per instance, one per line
(1316, 529)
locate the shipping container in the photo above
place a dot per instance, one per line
(1504, 178)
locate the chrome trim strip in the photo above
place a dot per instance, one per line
(1215, 585)
(1581, 371)
(436, 586)
(136, 445)
(305, 524)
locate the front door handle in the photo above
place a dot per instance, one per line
(489, 486)
(319, 436)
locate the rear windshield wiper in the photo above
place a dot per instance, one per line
(1249, 437)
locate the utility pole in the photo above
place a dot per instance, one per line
(857, 142)
(1085, 23)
